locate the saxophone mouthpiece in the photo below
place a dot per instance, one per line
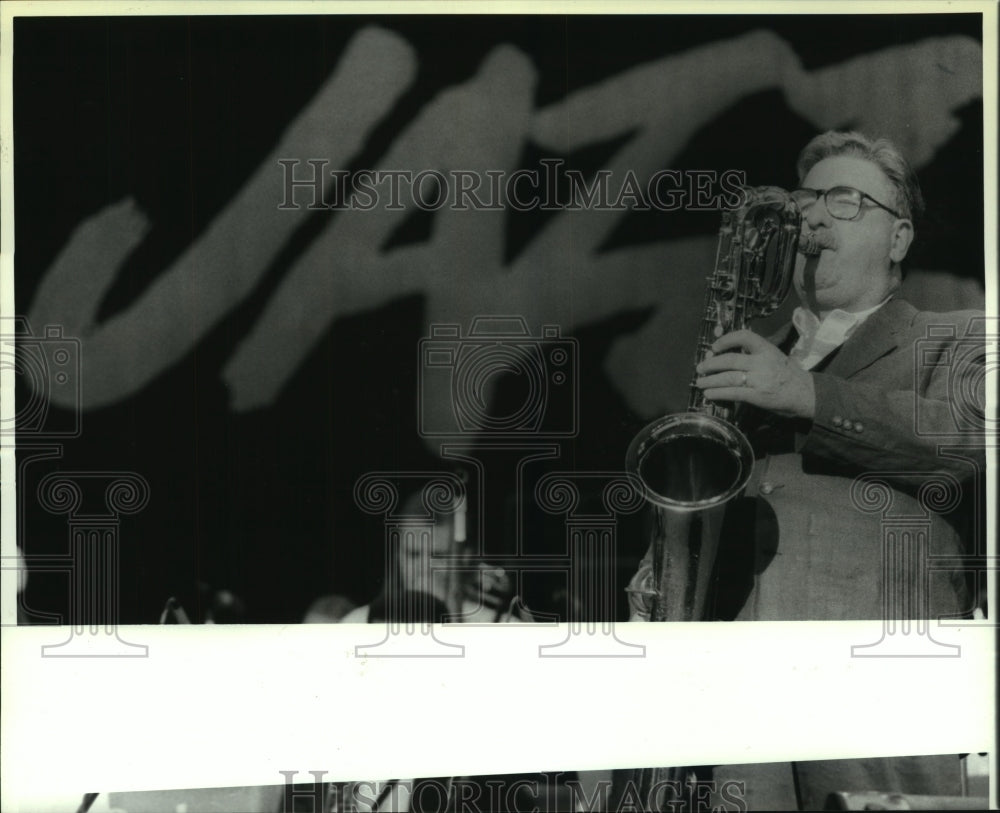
(812, 243)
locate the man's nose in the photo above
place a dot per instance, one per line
(817, 215)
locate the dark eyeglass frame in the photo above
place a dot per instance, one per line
(862, 196)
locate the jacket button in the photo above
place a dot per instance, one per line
(859, 427)
(766, 488)
(836, 420)
(848, 425)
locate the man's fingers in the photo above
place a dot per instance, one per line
(726, 361)
(731, 394)
(730, 378)
(744, 339)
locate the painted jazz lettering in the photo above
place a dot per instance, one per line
(481, 125)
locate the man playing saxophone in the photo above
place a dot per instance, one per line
(858, 383)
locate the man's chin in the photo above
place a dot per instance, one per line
(817, 297)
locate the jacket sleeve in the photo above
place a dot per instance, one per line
(866, 424)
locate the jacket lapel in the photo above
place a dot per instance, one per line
(877, 336)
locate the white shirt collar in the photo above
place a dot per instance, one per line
(818, 338)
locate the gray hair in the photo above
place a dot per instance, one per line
(909, 202)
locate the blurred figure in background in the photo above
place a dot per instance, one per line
(431, 578)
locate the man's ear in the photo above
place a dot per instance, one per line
(902, 236)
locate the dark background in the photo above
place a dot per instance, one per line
(177, 112)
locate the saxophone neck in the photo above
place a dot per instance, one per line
(754, 262)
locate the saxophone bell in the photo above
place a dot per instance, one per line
(690, 465)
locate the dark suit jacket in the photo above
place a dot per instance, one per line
(861, 513)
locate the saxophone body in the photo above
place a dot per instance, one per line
(690, 464)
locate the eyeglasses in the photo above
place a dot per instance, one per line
(842, 202)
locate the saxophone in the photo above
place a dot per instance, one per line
(690, 464)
